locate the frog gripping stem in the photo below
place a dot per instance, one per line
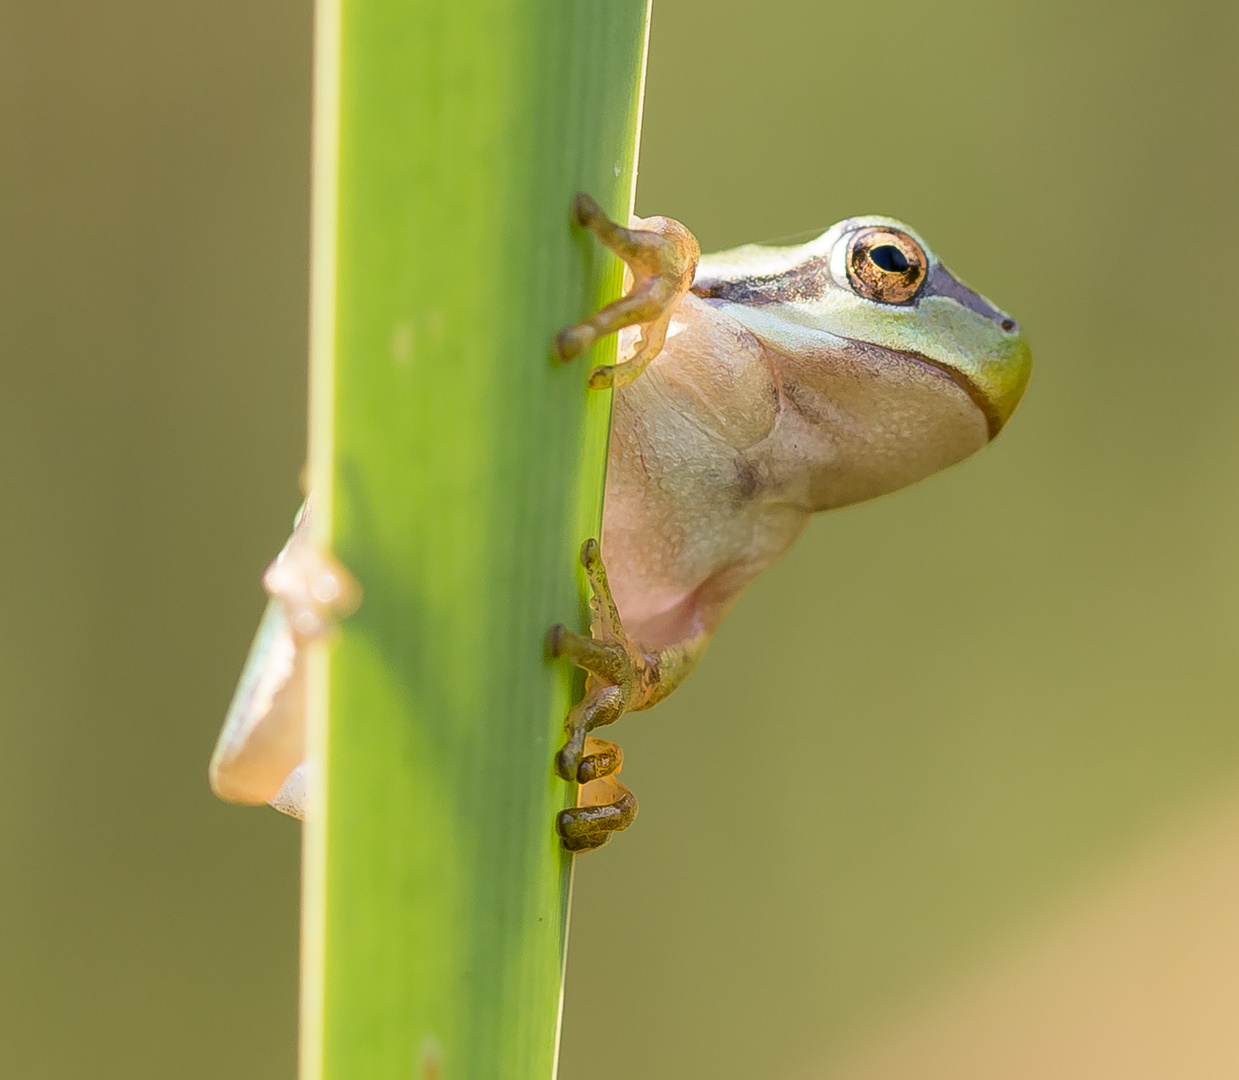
(661, 256)
(614, 664)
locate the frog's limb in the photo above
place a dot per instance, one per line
(661, 256)
(263, 738)
(260, 753)
(623, 677)
(612, 660)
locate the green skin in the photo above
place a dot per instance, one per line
(756, 388)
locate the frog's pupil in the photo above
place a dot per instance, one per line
(889, 257)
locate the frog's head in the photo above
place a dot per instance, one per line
(905, 367)
(891, 290)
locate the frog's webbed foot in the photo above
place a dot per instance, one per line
(661, 255)
(615, 667)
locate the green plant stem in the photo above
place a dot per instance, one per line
(456, 470)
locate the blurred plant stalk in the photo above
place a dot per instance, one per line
(457, 470)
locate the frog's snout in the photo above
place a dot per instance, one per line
(996, 367)
(1003, 378)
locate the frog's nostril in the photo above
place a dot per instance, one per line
(889, 258)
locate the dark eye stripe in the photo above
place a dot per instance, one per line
(943, 283)
(810, 280)
(804, 282)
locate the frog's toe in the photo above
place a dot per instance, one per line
(607, 807)
(587, 212)
(602, 758)
(591, 559)
(574, 340)
(605, 659)
(600, 706)
(588, 759)
(567, 761)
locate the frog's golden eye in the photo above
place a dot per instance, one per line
(886, 265)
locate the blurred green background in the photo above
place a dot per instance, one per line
(994, 683)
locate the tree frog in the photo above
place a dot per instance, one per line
(754, 388)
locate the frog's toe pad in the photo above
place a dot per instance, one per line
(574, 340)
(586, 211)
(568, 762)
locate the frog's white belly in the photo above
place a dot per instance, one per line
(693, 509)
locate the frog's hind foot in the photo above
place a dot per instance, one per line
(606, 806)
(609, 657)
(661, 255)
(614, 664)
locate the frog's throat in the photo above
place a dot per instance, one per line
(993, 418)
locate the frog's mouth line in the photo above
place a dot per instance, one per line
(992, 418)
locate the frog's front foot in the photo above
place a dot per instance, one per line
(616, 666)
(312, 586)
(661, 255)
